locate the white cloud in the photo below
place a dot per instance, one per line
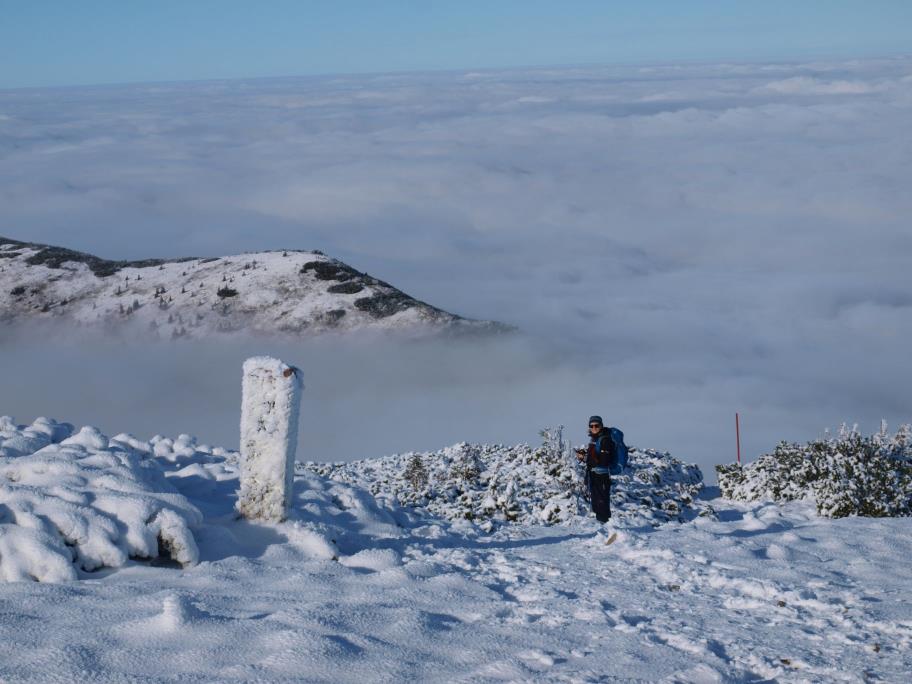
(689, 231)
(805, 85)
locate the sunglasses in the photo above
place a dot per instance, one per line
(592, 425)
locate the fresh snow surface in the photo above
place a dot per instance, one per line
(355, 588)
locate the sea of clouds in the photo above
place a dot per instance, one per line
(677, 243)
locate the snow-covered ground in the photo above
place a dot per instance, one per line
(349, 589)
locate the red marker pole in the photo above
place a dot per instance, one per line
(738, 436)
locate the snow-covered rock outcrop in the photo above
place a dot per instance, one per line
(849, 474)
(289, 292)
(78, 500)
(494, 483)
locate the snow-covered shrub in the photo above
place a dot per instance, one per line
(520, 483)
(80, 500)
(849, 474)
(416, 474)
(468, 466)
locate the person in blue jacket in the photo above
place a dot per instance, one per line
(599, 458)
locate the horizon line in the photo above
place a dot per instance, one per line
(462, 70)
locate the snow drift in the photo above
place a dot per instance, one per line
(78, 500)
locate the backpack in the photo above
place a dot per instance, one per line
(621, 452)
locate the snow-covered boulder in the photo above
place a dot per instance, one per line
(849, 474)
(71, 501)
(521, 483)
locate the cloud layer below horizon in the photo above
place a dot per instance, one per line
(686, 241)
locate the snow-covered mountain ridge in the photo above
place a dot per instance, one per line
(288, 292)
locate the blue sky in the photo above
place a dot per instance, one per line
(47, 43)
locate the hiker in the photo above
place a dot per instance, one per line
(599, 458)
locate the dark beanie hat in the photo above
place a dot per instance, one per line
(595, 419)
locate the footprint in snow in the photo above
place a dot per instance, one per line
(633, 623)
(774, 552)
(538, 659)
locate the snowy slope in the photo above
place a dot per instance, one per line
(290, 292)
(350, 589)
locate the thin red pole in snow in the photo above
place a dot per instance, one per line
(738, 436)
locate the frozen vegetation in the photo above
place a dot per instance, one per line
(849, 474)
(420, 584)
(492, 484)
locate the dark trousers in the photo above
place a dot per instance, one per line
(600, 495)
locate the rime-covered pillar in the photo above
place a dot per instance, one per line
(269, 434)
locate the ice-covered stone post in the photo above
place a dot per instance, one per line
(269, 434)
